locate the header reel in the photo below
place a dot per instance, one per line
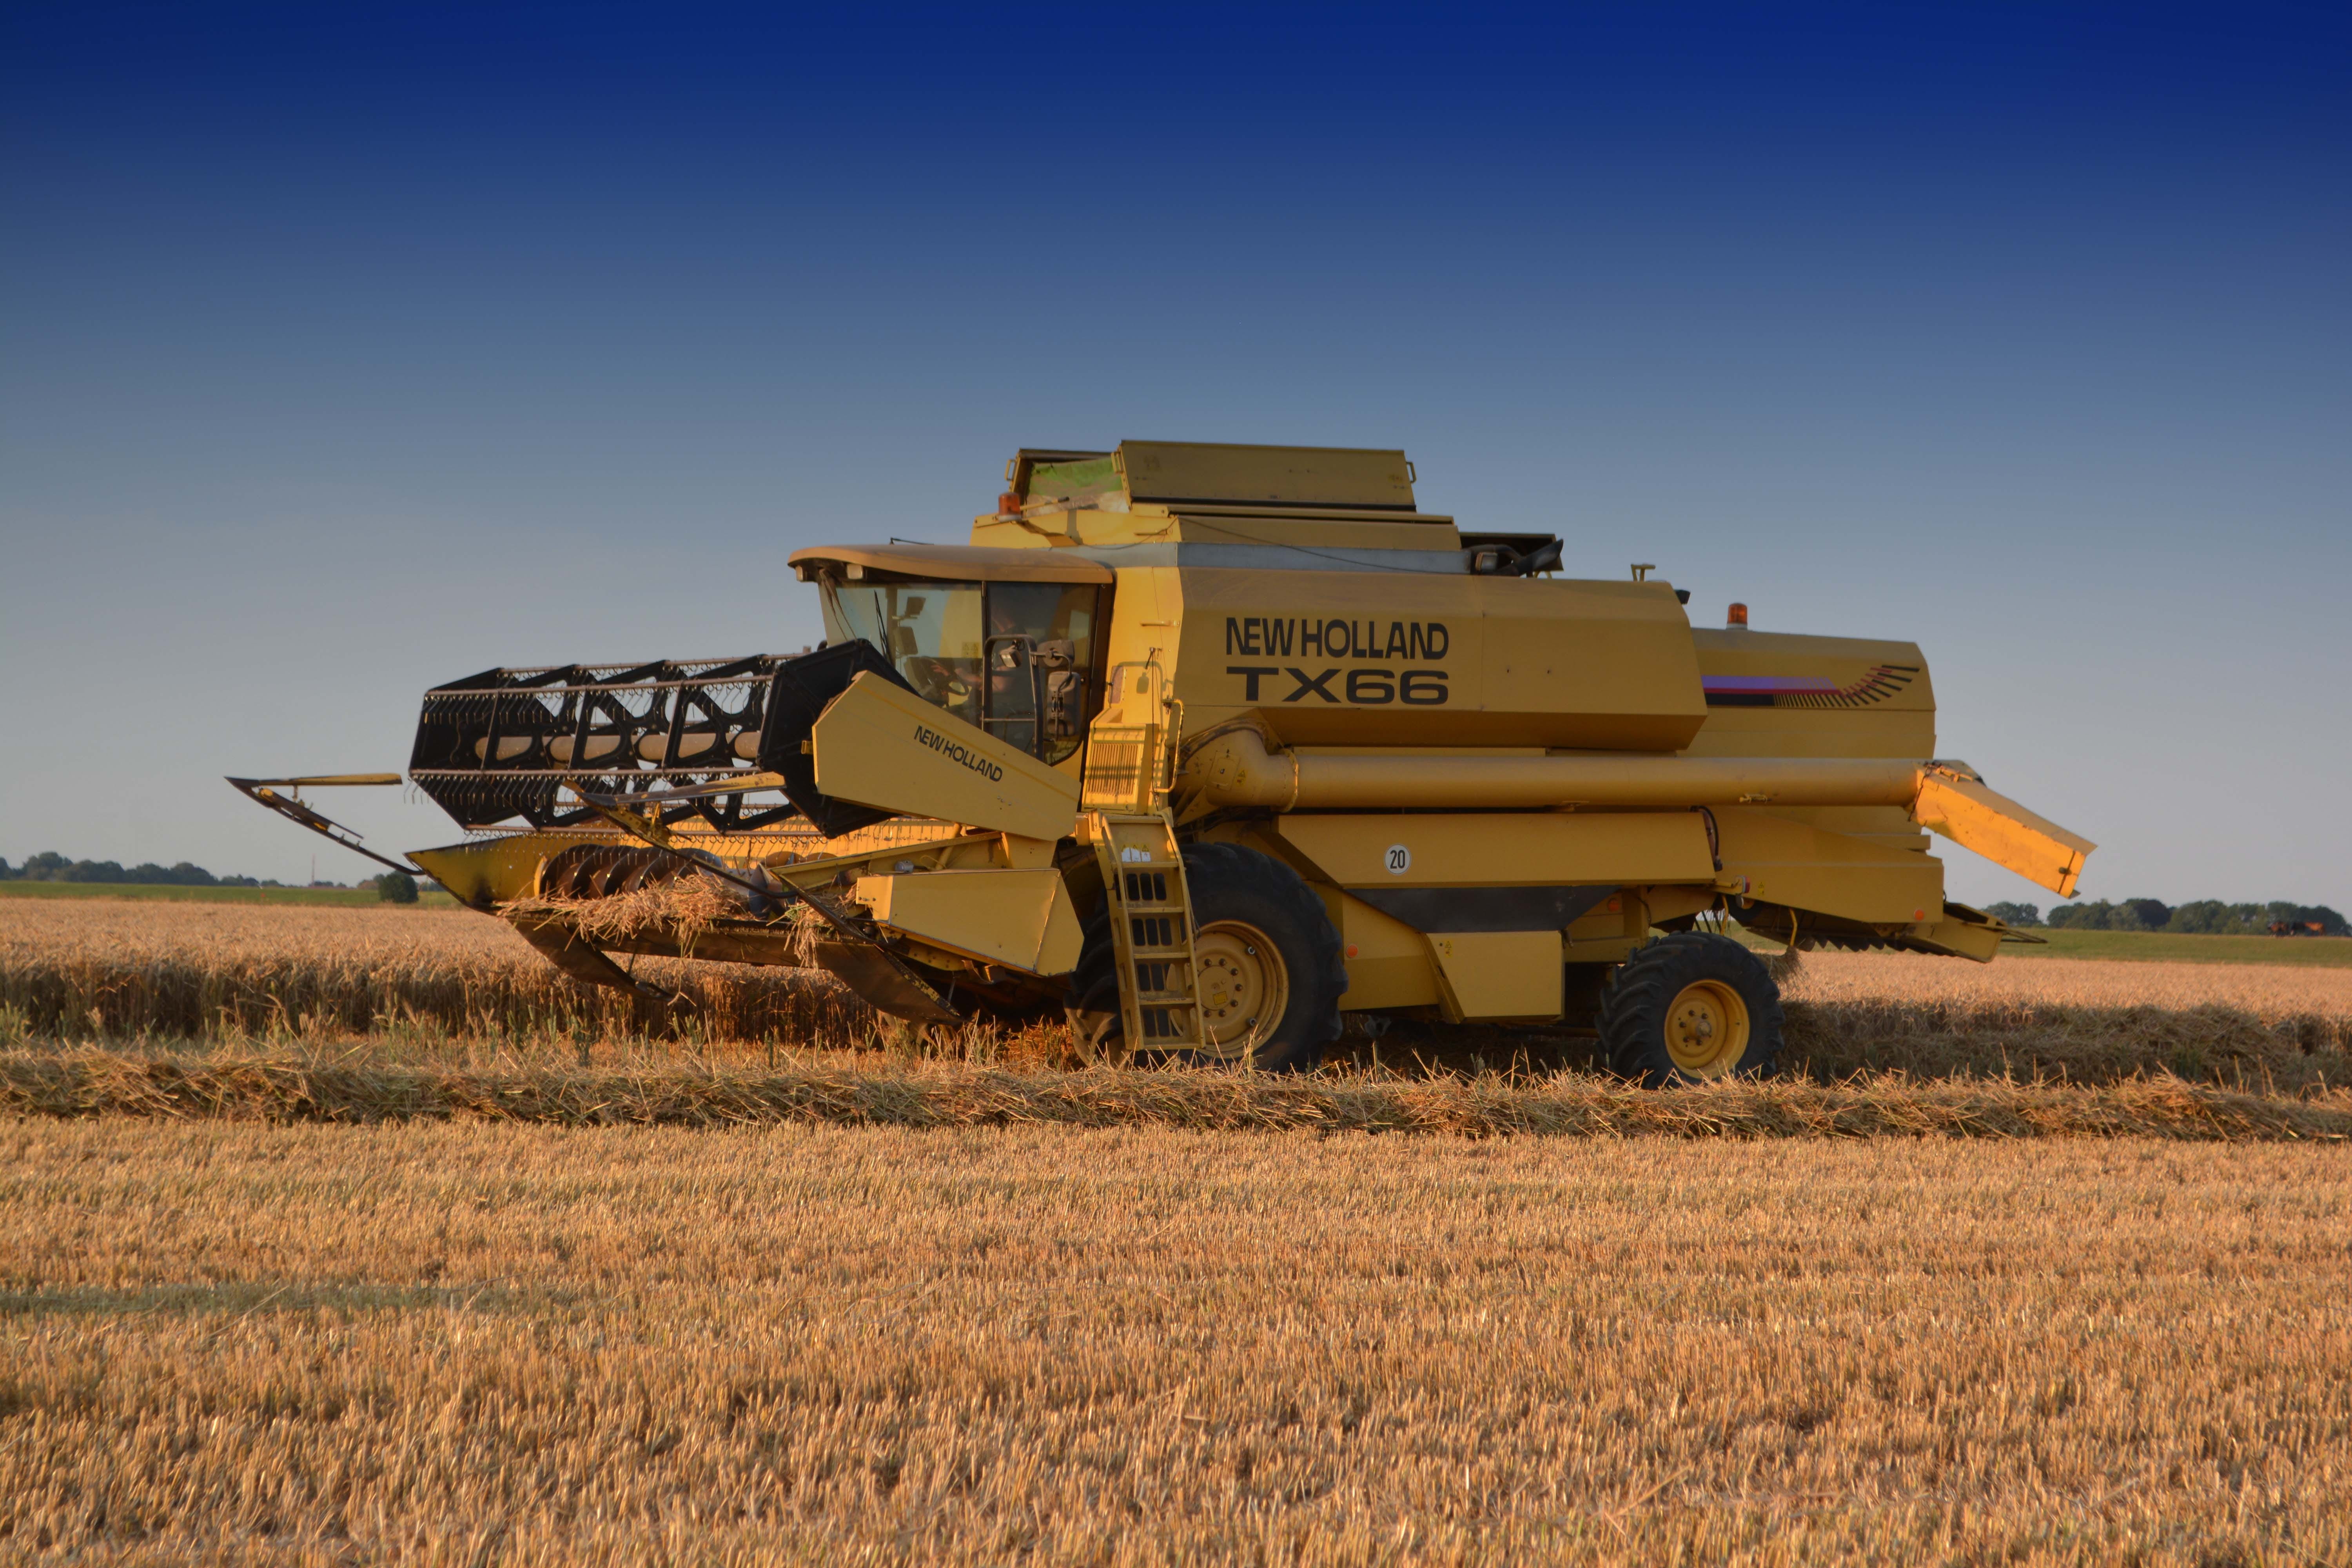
(713, 742)
(520, 743)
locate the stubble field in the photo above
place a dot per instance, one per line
(467, 1342)
(356, 1236)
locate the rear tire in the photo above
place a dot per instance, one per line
(1691, 1007)
(1261, 940)
(1097, 1030)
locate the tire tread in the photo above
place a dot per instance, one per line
(1096, 979)
(1634, 1004)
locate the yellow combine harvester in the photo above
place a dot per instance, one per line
(1212, 745)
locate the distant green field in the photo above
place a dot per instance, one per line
(2162, 947)
(315, 898)
(2173, 947)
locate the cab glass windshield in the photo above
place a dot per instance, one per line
(983, 651)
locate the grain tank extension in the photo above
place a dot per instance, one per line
(1211, 746)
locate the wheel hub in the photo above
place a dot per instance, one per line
(1243, 987)
(1706, 1029)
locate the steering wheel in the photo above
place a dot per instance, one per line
(935, 680)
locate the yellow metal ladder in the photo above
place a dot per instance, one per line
(1150, 929)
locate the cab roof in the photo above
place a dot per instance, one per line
(957, 562)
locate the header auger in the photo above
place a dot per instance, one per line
(1207, 744)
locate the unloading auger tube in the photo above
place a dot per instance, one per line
(1236, 769)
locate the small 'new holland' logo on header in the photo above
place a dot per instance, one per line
(956, 751)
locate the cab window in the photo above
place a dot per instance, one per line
(1041, 655)
(1016, 659)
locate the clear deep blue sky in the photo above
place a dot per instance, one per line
(347, 351)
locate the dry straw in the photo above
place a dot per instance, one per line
(940, 1094)
(685, 908)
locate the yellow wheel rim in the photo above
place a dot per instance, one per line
(1706, 1029)
(1244, 987)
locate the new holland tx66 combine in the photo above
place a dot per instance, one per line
(1211, 744)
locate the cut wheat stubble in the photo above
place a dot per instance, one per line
(470, 1342)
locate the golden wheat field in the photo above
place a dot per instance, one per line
(206, 973)
(358, 1237)
(473, 1343)
(468, 948)
(2261, 989)
(449, 982)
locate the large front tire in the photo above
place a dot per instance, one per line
(1267, 964)
(1691, 1008)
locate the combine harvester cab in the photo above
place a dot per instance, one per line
(1210, 745)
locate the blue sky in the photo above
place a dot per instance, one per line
(345, 351)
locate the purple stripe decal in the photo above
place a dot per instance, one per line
(1729, 684)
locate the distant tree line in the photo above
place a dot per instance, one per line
(2203, 917)
(51, 867)
(393, 886)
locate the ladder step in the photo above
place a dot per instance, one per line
(1163, 977)
(1180, 989)
(1142, 886)
(1152, 921)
